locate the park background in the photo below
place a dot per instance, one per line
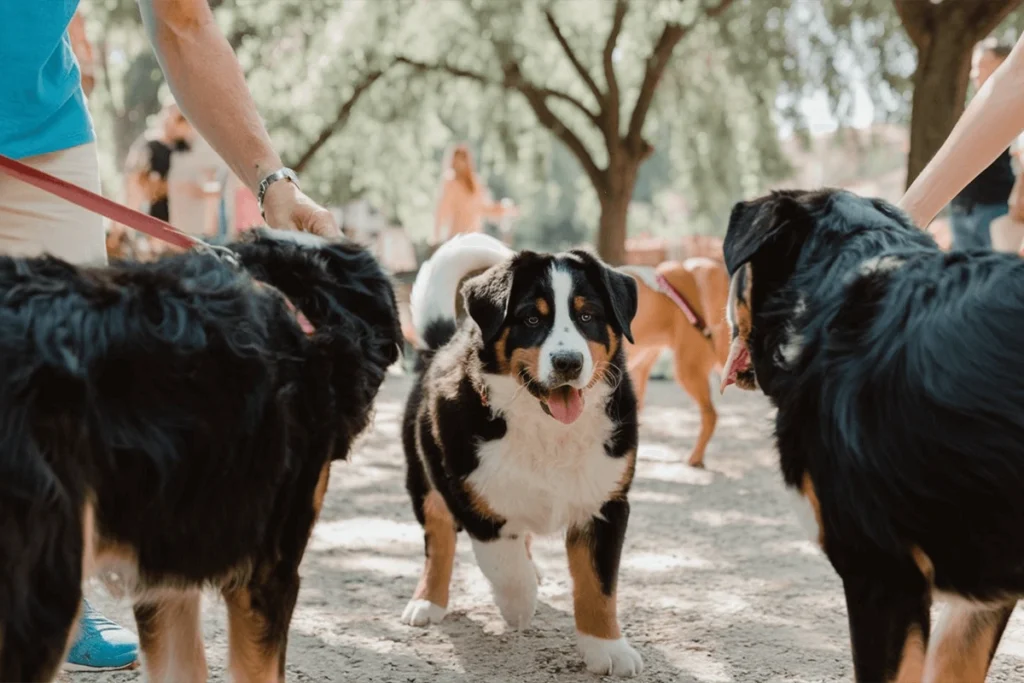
(603, 119)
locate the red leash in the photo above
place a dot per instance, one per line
(154, 227)
(684, 305)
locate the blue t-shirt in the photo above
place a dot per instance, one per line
(42, 106)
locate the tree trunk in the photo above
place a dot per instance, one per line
(615, 198)
(940, 92)
(945, 35)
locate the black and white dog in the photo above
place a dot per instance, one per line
(524, 421)
(173, 423)
(895, 368)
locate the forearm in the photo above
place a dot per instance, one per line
(994, 118)
(208, 84)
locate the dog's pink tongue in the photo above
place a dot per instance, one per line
(566, 404)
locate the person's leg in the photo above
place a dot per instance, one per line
(32, 223)
(984, 214)
(964, 227)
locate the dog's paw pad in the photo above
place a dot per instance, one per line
(610, 657)
(422, 613)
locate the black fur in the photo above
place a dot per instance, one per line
(905, 405)
(187, 405)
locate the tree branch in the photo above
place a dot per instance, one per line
(567, 49)
(331, 128)
(656, 63)
(452, 70)
(612, 111)
(537, 99)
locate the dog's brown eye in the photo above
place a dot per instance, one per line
(586, 317)
(533, 321)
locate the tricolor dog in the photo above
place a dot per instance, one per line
(895, 370)
(524, 422)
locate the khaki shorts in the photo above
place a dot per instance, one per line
(33, 222)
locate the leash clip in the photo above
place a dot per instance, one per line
(218, 251)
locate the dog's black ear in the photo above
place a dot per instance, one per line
(776, 223)
(618, 290)
(486, 298)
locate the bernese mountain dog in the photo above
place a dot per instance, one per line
(523, 421)
(900, 424)
(171, 424)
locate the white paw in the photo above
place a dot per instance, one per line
(610, 657)
(517, 602)
(422, 613)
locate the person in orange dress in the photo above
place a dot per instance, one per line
(465, 201)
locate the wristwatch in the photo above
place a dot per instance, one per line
(280, 174)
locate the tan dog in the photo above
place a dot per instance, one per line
(660, 323)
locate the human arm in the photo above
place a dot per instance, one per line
(994, 118)
(208, 84)
(443, 215)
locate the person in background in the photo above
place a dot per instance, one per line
(464, 201)
(992, 121)
(985, 198)
(149, 161)
(45, 123)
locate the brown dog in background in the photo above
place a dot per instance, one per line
(660, 323)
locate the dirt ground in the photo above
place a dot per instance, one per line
(718, 583)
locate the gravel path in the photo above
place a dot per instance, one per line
(717, 582)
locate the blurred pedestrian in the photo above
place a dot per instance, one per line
(465, 201)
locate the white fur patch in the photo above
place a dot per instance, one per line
(543, 475)
(436, 288)
(422, 613)
(645, 274)
(790, 350)
(610, 657)
(564, 335)
(730, 304)
(512, 576)
(881, 264)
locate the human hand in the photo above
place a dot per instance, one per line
(286, 207)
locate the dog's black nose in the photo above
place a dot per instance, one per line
(567, 364)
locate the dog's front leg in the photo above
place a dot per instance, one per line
(594, 550)
(889, 622)
(506, 563)
(964, 642)
(172, 638)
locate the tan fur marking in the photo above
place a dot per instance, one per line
(578, 302)
(501, 352)
(479, 505)
(595, 612)
(528, 359)
(963, 641)
(912, 663)
(172, 643)
(542, 306)
(321, 490)
(924, 563)
(88, 540)
(807, 489)
(250, 659)
(439, 529)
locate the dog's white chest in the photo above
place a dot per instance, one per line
(543, 476)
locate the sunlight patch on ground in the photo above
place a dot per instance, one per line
(364, 532)
(720, 518)
(636, 496)
(675, 473)
(387, 566)
(699, 663)
(664, 562)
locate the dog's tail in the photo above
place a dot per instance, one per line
(432, 301)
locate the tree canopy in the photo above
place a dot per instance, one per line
(366, 96)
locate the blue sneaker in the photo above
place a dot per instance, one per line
(101, 645)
